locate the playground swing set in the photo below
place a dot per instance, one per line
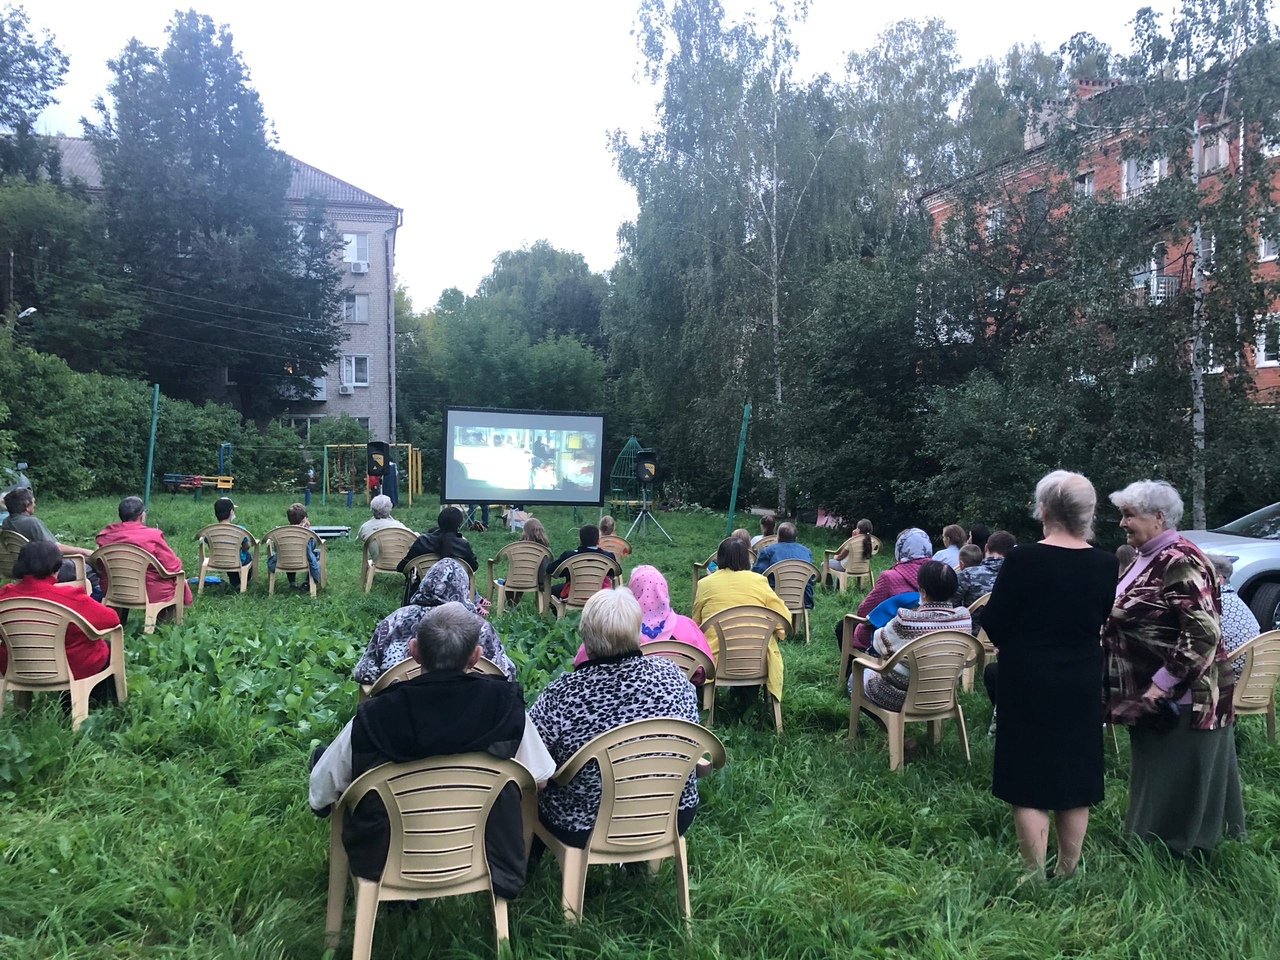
(346, 469)
(222, 482)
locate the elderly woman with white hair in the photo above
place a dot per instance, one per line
(615, 685)
(380, 507)
(1169, 682)
(1046, 609)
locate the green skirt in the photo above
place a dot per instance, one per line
(1184, 786)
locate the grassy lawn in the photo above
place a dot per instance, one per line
(177, 825)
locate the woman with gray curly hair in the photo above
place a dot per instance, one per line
(1169, 682)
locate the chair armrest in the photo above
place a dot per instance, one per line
(871, 663)
(857, 619)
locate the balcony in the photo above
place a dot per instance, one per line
(1154, 290)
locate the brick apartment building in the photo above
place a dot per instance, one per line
(361, 383)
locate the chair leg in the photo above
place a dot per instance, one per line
(337, 897)
(777, 711)
(964, 734)
(498, 600)
(935, 731)
(177, 607)
(806, 626)
(709, 701)
(855, 706)
(22, 700)
(79, 703)
(244, 578)
(500, 920)
(682, 882)
(895, 730)
(574, 890)
(149, 617)
(271, 584)
(366, 915)
(200, 584)
(654, 866)
(1271, 719)
(966, 679)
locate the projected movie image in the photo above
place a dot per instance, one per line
(499, 456)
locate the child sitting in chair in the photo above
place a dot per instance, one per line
(297, 517)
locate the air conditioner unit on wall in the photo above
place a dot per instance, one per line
(345, 389)
(360, 266)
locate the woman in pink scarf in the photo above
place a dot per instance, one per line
(659, 621)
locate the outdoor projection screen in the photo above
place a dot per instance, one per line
(522, 456)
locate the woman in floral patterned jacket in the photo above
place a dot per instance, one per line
(1168, 680)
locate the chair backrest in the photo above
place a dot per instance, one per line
(875, 545)
(417, 568)
(125, 566)
(437, 809)
(393, 543)
(220, 542)
(408, 668)
(524, 557)
(10, 543)
(34, 632)
(685, 656)
(291, 547)
(982, 634)
(789, 578)
(618, 546)
(936, 661)
(743, 633)
(587, 572)
(764, 542)
(1257, 681)
(644, 766)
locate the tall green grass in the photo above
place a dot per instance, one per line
(177, 825)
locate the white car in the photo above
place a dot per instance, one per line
(1253, 544)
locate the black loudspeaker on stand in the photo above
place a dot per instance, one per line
(646, 469)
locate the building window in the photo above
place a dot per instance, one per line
(1137, 175)
(995, 221)
(1268, 247)
(355, 308)
(357, 248)
(363, 421)
(355, 371)
(1215, 149)
(1037, 207)
(1269, 342)
(302, 425)
(1084, 184)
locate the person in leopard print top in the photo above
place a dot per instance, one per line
(616, 685)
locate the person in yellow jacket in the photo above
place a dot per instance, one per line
(733, 584)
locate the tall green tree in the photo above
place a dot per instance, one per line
(31, 69)
(546, 291)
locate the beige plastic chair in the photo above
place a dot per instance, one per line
(392, 543)
(289, 544)
(988, 648)
(587, 572)
(437, 810)
(408, 668)
(700, 571)
(935, 660)
(858, 568)
(620, 547)
(763, 542)
(644, 766)
(875, 545)
(688, 658)
(219, 545)
(789, 578)
(124, 582)
(35, 635)
(742, 657)
(847, 649)
(524, 558)
(417, 568)
(1256, 691)
(10, 545)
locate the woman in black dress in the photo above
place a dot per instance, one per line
(1045, 615)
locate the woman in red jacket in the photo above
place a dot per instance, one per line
(911, 551)
(37, 570)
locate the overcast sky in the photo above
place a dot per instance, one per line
(487, 121)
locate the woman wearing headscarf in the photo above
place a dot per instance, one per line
(659, 621)
(445, 582)
(910, 552)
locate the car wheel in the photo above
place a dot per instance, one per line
(1265, 605)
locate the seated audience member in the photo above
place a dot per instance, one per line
(296, 514)
(733, 584)
(616, 684)
(224, 511)
(743, 534)
(935, 612)
(442, 540)
(786, 548)
(132, 529)
(859, 544)
(37, 568)
(445, 582)
(380, 507)
(609, 528)
(978, 535)
(1239, 625)
(588, 542)
(1126, 555)
(531, 530)
(970, 556)
(910, 551)
(767, 524)
(953, 538)
(444, 710)
(974, 581)
(658, 620)
(21, 504)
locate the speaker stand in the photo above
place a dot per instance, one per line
(644, 516)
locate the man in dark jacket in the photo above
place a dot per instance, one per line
(973, 582)
(588, 542)
(444, 710)
(443, 540)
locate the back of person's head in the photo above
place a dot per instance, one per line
(1000, 543)
(589, 535)
(767, 523)
(447, 636)
(223, 508)
(1067, 501)
(953, 535)
(937, 582)
(979, 533)
(608, 526)
(130, 509)
(733, 554)
(1126, 555)
(534, 530)
(450, 520)
(864, 526)
(787, 533)
(296, 513)
(1222, 566)
(610, 623)
(17, 501)
(743, 534)
(970, 555)
(40, 558)
(380, 506)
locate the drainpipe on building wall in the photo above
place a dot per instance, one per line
(389, 246)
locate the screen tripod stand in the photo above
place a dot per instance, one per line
(642, 519)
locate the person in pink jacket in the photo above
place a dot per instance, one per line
(910, 552)
(132, 529)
